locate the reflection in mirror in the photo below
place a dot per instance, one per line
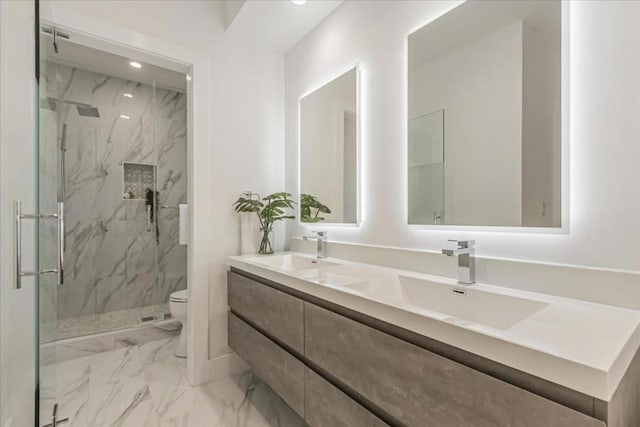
(329, 152)
(426, 168)
(484, 116)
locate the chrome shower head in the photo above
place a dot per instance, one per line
(87, 111)
(84, 110)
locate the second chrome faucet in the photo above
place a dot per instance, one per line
(466, 260)
(321, 239)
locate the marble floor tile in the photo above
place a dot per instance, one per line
(162, 352)
(122, 403)
(145, 385)
(118, 365)
(143, 335)
(74, 349)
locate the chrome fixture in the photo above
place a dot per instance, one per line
(17, 243)
(62, 164)
(84, 109)
(55, 422)
(149, 220)
(321, 239)
(466, 260)
(55, 34)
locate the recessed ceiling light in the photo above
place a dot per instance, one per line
(298, 2)
(128, 95)
(135, 64)
(124, 116)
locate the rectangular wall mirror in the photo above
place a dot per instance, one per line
(484, 125)
(329, 152)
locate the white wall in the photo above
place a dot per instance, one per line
(479, 86)
(604, 130)
(246, 89)
(17, 168)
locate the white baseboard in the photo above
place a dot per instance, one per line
(227, 364)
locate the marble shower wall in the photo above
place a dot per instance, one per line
(111, 261)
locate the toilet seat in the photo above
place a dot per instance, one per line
(179, 296)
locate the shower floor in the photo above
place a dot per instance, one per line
(112, 321)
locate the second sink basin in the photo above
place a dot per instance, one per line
(338, 275)
(289, 262)
(456, 302)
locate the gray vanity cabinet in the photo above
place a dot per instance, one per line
(325, 406)
(278, 313)
(420, 388)
(335, 371)
(282, 371)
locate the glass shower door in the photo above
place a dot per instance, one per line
(50, 232)
(170, 138)
(112, 158)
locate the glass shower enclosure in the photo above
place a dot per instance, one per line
(112, 158)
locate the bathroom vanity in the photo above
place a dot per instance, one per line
(348, 344)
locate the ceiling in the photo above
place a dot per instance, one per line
(473, 20)
(278, 24)
(80, 56)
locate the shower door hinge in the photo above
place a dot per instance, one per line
(55, 33)
(54, 418)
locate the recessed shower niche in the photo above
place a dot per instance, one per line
(136, 179)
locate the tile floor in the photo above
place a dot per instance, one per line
(145, 385)
(90, 345)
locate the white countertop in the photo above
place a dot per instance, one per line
(581, 345)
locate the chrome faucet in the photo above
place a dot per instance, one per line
(466, 260)
(321, 239)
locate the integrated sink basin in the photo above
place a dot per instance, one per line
(457, 303)
(290, 262)
(454, 303)
(338, 275)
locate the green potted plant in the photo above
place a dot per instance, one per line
(311, 207)
(269, 210)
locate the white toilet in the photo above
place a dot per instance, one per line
(178, 306)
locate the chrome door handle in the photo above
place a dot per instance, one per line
(18, 216)
(17, 243)
(61, 243)
(149, 218)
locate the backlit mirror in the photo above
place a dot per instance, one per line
(484, 125)
(329, 138)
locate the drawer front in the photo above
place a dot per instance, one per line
(420, 388)
(277, 313)
(279, 369)
(325, 406)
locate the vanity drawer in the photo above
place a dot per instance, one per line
(279, 369)
(278, 314)
(325, 405)
(420, 388)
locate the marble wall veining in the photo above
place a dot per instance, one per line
(111, 261)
